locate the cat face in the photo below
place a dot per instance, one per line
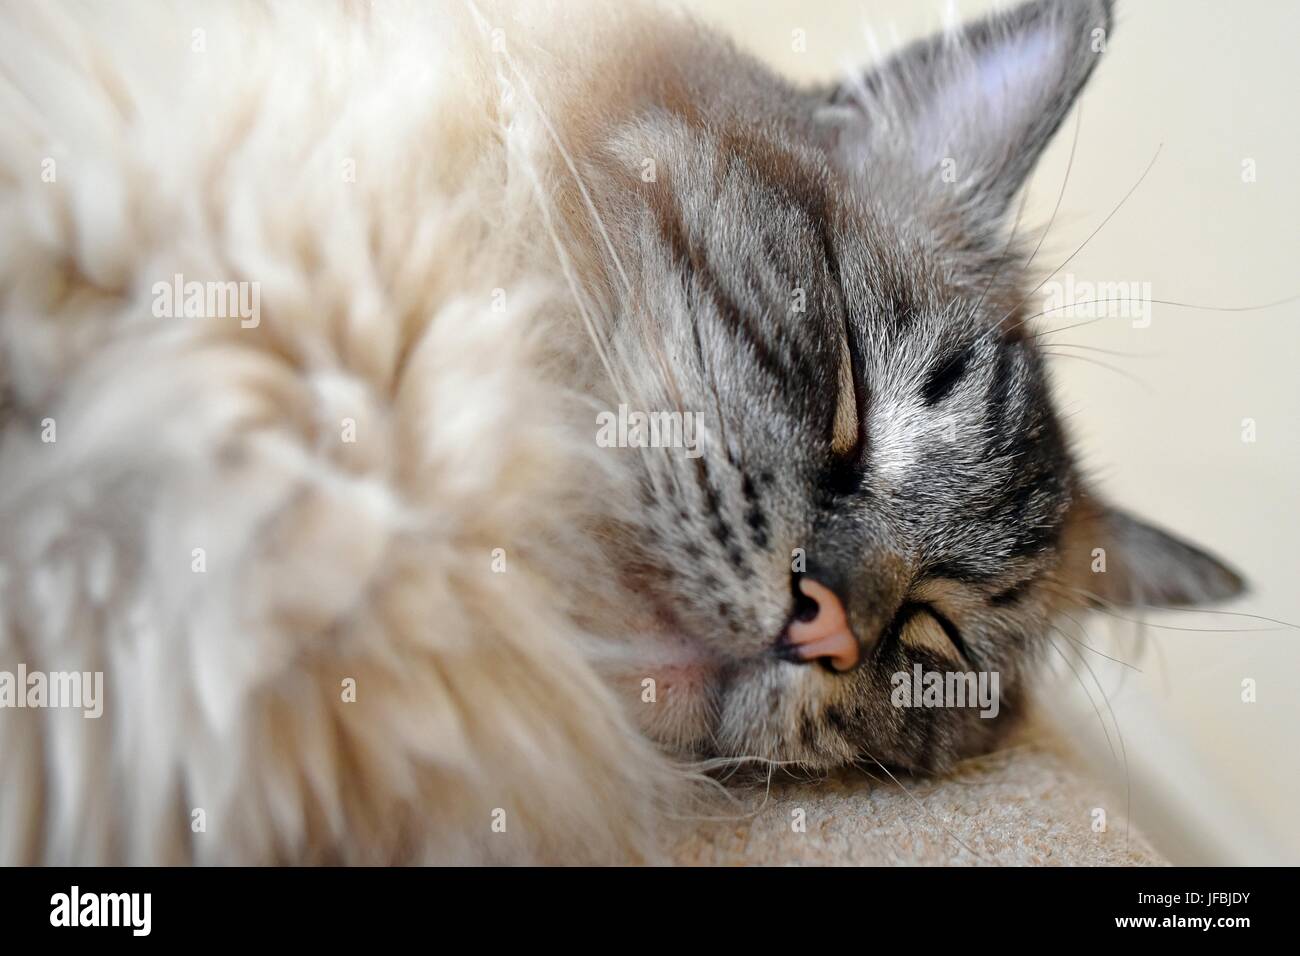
(829, 281)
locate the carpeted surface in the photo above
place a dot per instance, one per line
(1026, 805)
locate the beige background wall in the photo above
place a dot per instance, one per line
(1211, 778)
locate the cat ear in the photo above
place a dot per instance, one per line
(1119, 559)
(971, 111)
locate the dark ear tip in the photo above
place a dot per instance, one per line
(1216, 581)
(1101, 13)
(1229, 584)
(1088, 13)
(1108, 15)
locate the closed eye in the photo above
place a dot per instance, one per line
(944, 376)
(950, 630)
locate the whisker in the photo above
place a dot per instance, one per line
(1107, 607)
(1123, 373)
(1073, 670)
(1078, 123)
(1128, 298)
(566, 267)
(1121, 353)
(1119, 734)
(1002, 261)
(573, 171)
(1206, 610)
(1015, 228)
(926, 810)
(1085, 242)
(1088, 646)
(1260, 307)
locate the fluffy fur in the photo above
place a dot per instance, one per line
(325, 559)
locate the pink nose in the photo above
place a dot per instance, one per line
(826, 633)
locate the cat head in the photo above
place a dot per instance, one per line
(830, 285)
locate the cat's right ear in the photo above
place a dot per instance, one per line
(967, 113)
(1111, 557)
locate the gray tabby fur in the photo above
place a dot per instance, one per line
(957, 487)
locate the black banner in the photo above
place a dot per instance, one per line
(336, 905)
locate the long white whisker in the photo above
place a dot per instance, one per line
(926, 810)
(1085, 242)
(1119, 734)
(1100, 719)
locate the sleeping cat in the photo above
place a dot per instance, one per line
(451, 427)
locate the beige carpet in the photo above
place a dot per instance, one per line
(1029, 804)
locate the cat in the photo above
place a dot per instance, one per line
(453, 428)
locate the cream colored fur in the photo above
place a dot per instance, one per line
(367, 166)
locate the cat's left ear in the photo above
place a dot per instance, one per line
(1111, 557)
(969, 112)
